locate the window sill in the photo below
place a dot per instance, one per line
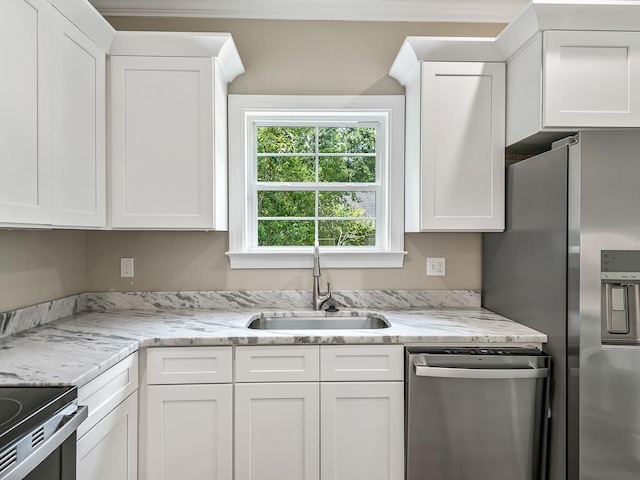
(328, 259)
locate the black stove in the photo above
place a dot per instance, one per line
(37, 432)
(24, 408)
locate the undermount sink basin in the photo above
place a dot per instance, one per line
(319, 321)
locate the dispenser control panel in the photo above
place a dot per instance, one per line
(620, 279)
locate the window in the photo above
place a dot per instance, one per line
(316, 169)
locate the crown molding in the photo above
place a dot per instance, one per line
(486, 11)
(182, 44)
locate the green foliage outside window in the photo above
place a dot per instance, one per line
(295, 154)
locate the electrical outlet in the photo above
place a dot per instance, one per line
(436, 267)
(126, 267)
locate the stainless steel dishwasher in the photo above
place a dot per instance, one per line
(476, 414)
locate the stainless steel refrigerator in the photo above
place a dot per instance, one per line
(568, 264)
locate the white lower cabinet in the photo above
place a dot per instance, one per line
(109, 451)
(301, 412)
(277, 431)
(315, 429)
(187, 426)
(189, 432)
(362, 431)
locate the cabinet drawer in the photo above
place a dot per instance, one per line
(278, 364)
(175, 365)
(107, 391)
(361, 362)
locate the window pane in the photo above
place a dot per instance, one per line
(278, 233)
(286, 204)
(347, 204)
(347, 140)
(286, 140)
(286, 169)
(347, 169)
(348, 233)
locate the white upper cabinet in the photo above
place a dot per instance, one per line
(571, 67)
(79, 169)
(455, 107)
(25, 112)
(169, 130)
(52, 115)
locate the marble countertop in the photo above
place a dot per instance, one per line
(75, 349)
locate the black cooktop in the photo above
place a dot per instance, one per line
(24, 408)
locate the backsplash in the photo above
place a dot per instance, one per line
(18, 320)
(287, 299)
(15, 321)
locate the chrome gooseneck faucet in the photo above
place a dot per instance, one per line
(318, 298)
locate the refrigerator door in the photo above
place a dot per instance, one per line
(608, 219)
(525, 270)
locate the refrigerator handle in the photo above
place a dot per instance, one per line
(444, 372)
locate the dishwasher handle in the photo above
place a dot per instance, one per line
(488, 373)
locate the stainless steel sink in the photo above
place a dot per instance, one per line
(319, 322)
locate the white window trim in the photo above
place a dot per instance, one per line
(243, 110)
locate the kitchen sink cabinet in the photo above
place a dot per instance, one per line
(455, 124)
(293, 423)
(362, 430)
(169, 129)
(277, 431)
(294, 412)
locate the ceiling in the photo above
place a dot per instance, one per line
(486, 11)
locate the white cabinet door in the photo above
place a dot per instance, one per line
(362, 431)
(189, 432)
(109, 451)
(462, 147)
(25, 112)
(276, 431)
(591, 79)
(79, 169)
(162, 150)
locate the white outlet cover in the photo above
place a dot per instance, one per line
(436, 267)
(126, 268)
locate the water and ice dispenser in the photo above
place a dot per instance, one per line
(620, 279)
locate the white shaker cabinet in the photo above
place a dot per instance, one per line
(333, 412)
(362, 430)
(591, 79)
(107, 447)
(109, 451)
(277, 431)
(52, 115)
(571, 66)
(571, 80)
(188, 421)
(277, 412)
(455, 134)
(189, 431)
(168, 130)
(25, 114)
(79, 117)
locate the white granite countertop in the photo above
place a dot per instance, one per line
(75, 349)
